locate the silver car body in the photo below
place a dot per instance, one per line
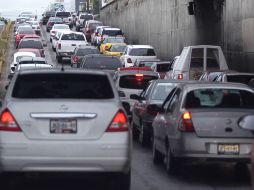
(214, 130)
(32, 147)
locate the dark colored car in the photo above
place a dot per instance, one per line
(101, 62)
(32, 43)
(80, 52)
(46, 16)
(143, 112)
(52, 21)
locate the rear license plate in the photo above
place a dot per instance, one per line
(63, 126)
(228, 149)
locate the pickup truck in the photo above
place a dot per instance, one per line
(67, 42)
(194, 60)
(66, 17)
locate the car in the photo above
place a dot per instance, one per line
(82, 18)
(66, 17)
(56, 116)
(56, 28)
(35, 26)
(233, 76)
(16, 58)
(32, 43)
(46, 16)
(52, 21)
(37, 52)
(107, 43)
(115, 49)
(95, 37)
(101, 62)
(206, 116)
(143, 111)
(134, 52)
(21, 32)
(80, 52)
(133, 80)
(67, 42)
(161, 67)
(90, 27)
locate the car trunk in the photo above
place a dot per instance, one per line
(63, 120)
(219, 123)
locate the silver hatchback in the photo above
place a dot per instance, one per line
(64, 121)
(201, 121)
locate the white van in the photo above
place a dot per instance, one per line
(194, 60)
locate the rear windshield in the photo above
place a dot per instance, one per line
(53, 19)
(73, 36)
(63, 14)
(84, 52)
(162, 90)
(26, 31)
(61, 27)
(112, 32)
(32, 62)
(163, 67)
(135, 82)
(86, 17)
(31, 44)
(92, 26)
(146, 63)
(142, 52)
(58, 86)
(220, 98)
(245, 79)
(105, 63)
(117, 48)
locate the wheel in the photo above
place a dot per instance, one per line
(144, 138)
(121, 181)
(135, 131)
(157, 156)
(170, 162)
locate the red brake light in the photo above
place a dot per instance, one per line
(59, 46)
(129, 60)
(8, 123)
(186, 124)
(180, 76)
(119, 123)
(139, 77)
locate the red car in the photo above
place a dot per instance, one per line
(33, 36)
(21, 32)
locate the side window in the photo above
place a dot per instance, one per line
(173, 102)
(196, 63)
(167, 100)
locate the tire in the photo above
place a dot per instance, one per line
(135, 131)
(144, 137)
(170, 162)
(157, 156)
(121, 181)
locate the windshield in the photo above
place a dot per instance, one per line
(142, 52)
(30, 44)
(135, 82)
(32, 62)
(112, 32)
(104, 63)
(63, 14)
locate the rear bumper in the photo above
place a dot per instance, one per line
(65, 54)
(191, 146)
(104, 155)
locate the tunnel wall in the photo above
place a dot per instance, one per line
(166, 25)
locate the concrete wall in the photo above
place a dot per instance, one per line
(166, 25)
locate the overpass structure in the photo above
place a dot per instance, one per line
(169, 25)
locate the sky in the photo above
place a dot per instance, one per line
(11, 8)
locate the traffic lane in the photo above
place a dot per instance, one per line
(191, 176)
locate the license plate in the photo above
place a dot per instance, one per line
(228, 149)
(63, 126)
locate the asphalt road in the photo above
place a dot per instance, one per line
(145, 176)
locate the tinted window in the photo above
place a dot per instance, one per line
(142, 52)
(73, 36)
(32, 62)
(162, 90)
(86, 17)
(163, 67)
(135, 82)
(63, 14)
(117, 48)
(106, 63)
(112, 32)
(56, 86)
(245, 79)
(220, 98)
(26, 32)
(84, 52)
(31, 44)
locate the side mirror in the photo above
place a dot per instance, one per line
(154, 108)
(135, 97)
(246, 122)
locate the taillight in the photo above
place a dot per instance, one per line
(186, 124)
(8, 123)
(139, 77)
(129, 60)
(59, 46)
(180, 76)
(119, 123)
(75, 59)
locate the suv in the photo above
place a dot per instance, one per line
(90, 27)
(134, 52)
(68, 130)
(46, 16)
(67, 18)
(80, 23)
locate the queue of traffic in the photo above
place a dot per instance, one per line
(84, 118)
